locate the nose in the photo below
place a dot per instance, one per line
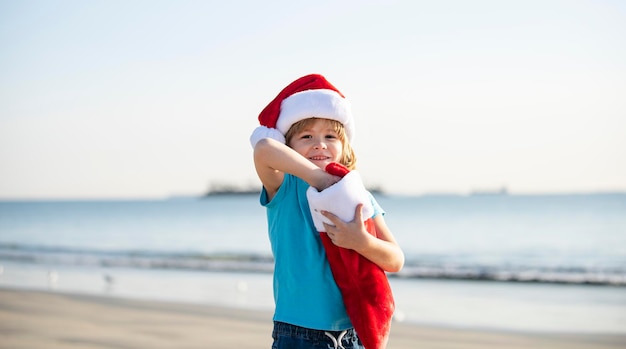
(320, 144)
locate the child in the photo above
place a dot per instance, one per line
(306, 127)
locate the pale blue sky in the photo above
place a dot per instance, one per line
(147, 99)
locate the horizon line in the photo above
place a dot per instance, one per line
(476, 193)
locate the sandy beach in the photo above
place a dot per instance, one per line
(35, 319)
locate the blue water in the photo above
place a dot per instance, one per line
(558, 238)
(538, 262)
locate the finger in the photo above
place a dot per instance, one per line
(358, 213)
(327, 214)
(331, 217)
(331, 236)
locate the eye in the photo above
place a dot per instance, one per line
(330, 136)
(306, 136)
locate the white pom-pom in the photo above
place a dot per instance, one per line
(265, 132)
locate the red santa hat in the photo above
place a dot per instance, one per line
(307, 97)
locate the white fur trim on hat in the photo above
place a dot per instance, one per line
(320, 103)
(265, 132)
(339, 199)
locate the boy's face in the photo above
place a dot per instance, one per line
(319, 143)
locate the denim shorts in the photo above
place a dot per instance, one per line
(288, 336)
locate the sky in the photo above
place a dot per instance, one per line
(153, 99)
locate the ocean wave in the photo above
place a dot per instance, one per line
(559, 275)
(251, 262)
(137, 259)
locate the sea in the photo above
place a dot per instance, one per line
(498, 261)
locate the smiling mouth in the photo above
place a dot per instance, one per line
(318, 158)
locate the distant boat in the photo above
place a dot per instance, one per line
(496, 192)
(228, 189)
(225, 189)
(233, 192)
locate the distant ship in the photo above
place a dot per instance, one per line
(232, 191)
(498, 192)
(223, 189)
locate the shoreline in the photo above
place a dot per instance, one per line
(67, 320)
(503, 306)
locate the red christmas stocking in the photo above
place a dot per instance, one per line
(363, 284)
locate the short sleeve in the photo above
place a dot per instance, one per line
(377, 208)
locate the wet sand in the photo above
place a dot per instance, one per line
(34, 319)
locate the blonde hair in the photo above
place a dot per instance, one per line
(348, 158)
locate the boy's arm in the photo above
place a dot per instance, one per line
(273, 159)
(382, 250)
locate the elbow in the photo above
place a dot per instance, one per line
(262, 145)
(396, 264)
(395, 267)
(263, 150)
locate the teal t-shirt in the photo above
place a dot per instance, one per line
(305, 292)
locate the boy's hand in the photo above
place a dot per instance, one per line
(351, 235)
